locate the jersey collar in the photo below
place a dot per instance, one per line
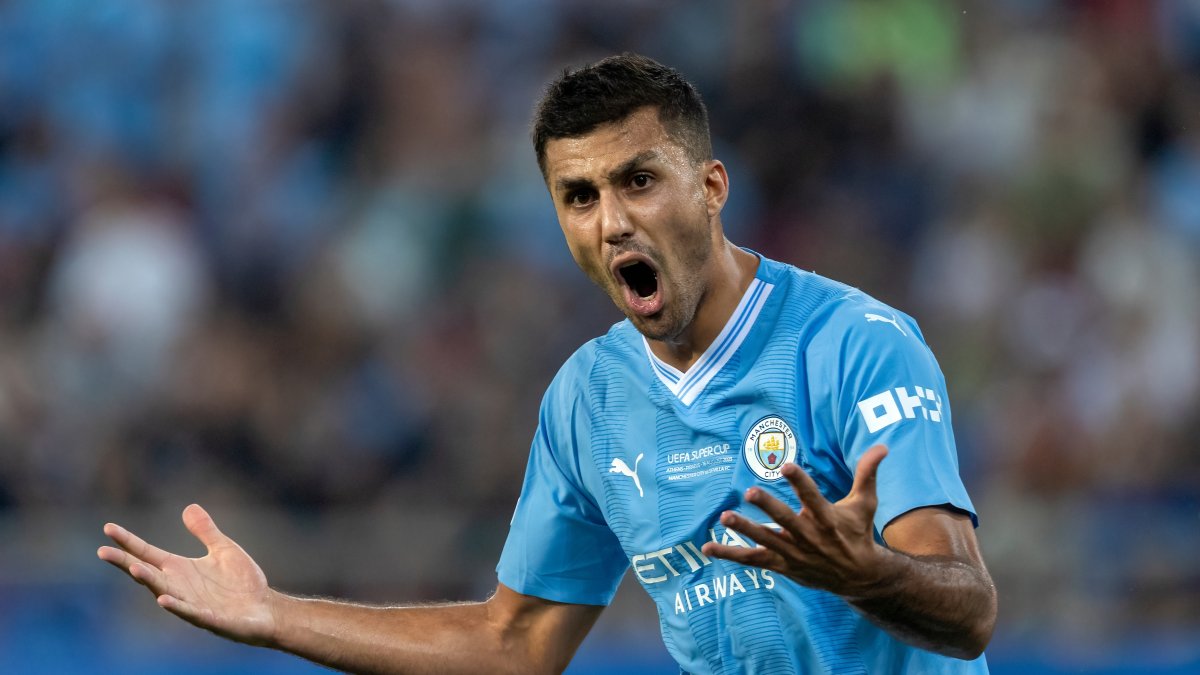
(687, 386)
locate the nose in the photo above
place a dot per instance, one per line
(614, 220)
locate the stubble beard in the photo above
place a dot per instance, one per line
(688, 290)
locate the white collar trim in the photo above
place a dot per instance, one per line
(687, 386)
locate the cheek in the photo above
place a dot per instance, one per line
(584, 256)
(691, 225)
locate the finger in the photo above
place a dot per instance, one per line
(122, 560)
(150, 577)
(780, 532)
(776, 510)
(867, 472)
(759, 533)
(755, 557)
(145, 574)
(200, 524)
(136, 545)
(808, 492)
(185, 610)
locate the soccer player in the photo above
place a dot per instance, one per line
(727, 440)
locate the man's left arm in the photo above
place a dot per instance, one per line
(927, 586)
(939, 595)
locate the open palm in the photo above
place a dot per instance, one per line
(825, 545)
(225, 591)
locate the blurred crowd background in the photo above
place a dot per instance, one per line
(293, 260)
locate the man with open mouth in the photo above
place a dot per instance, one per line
(727, 442)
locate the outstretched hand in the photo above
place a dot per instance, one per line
(225, 591)
(825, 545)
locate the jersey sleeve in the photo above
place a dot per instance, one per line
(559, 546)
(885, 387)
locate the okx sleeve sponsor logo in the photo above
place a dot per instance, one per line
(889, 407)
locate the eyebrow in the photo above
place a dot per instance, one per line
(567, 183)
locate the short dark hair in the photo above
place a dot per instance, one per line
(610, 90)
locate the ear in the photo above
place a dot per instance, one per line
(716, 186)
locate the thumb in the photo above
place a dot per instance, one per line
(866, 472)
(200, 524)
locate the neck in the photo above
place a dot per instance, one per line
(732, 271)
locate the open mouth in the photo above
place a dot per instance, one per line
(639, 278)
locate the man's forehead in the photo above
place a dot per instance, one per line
(609, 145)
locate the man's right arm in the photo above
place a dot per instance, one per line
(226, 592)
(509, 633)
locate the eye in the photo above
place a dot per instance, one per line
(580, 198)
(641, 180)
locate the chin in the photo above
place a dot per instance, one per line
(659, 327)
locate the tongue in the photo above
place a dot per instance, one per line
(643, 306)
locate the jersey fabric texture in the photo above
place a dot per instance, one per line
(633, 462)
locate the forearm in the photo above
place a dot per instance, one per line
(941, 604)
(448, 638)
(226, 592)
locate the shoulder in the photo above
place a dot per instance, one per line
(806, 301)
(861, 347)
(853, 319)
(596, 361)
(622, 343)
(829, 314)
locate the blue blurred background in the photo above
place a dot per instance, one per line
(293, 260)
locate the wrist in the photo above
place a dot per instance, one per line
(880, 575)
(281, 610)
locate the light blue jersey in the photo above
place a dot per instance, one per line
(634, 461)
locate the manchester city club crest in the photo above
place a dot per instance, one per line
(769, 445)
